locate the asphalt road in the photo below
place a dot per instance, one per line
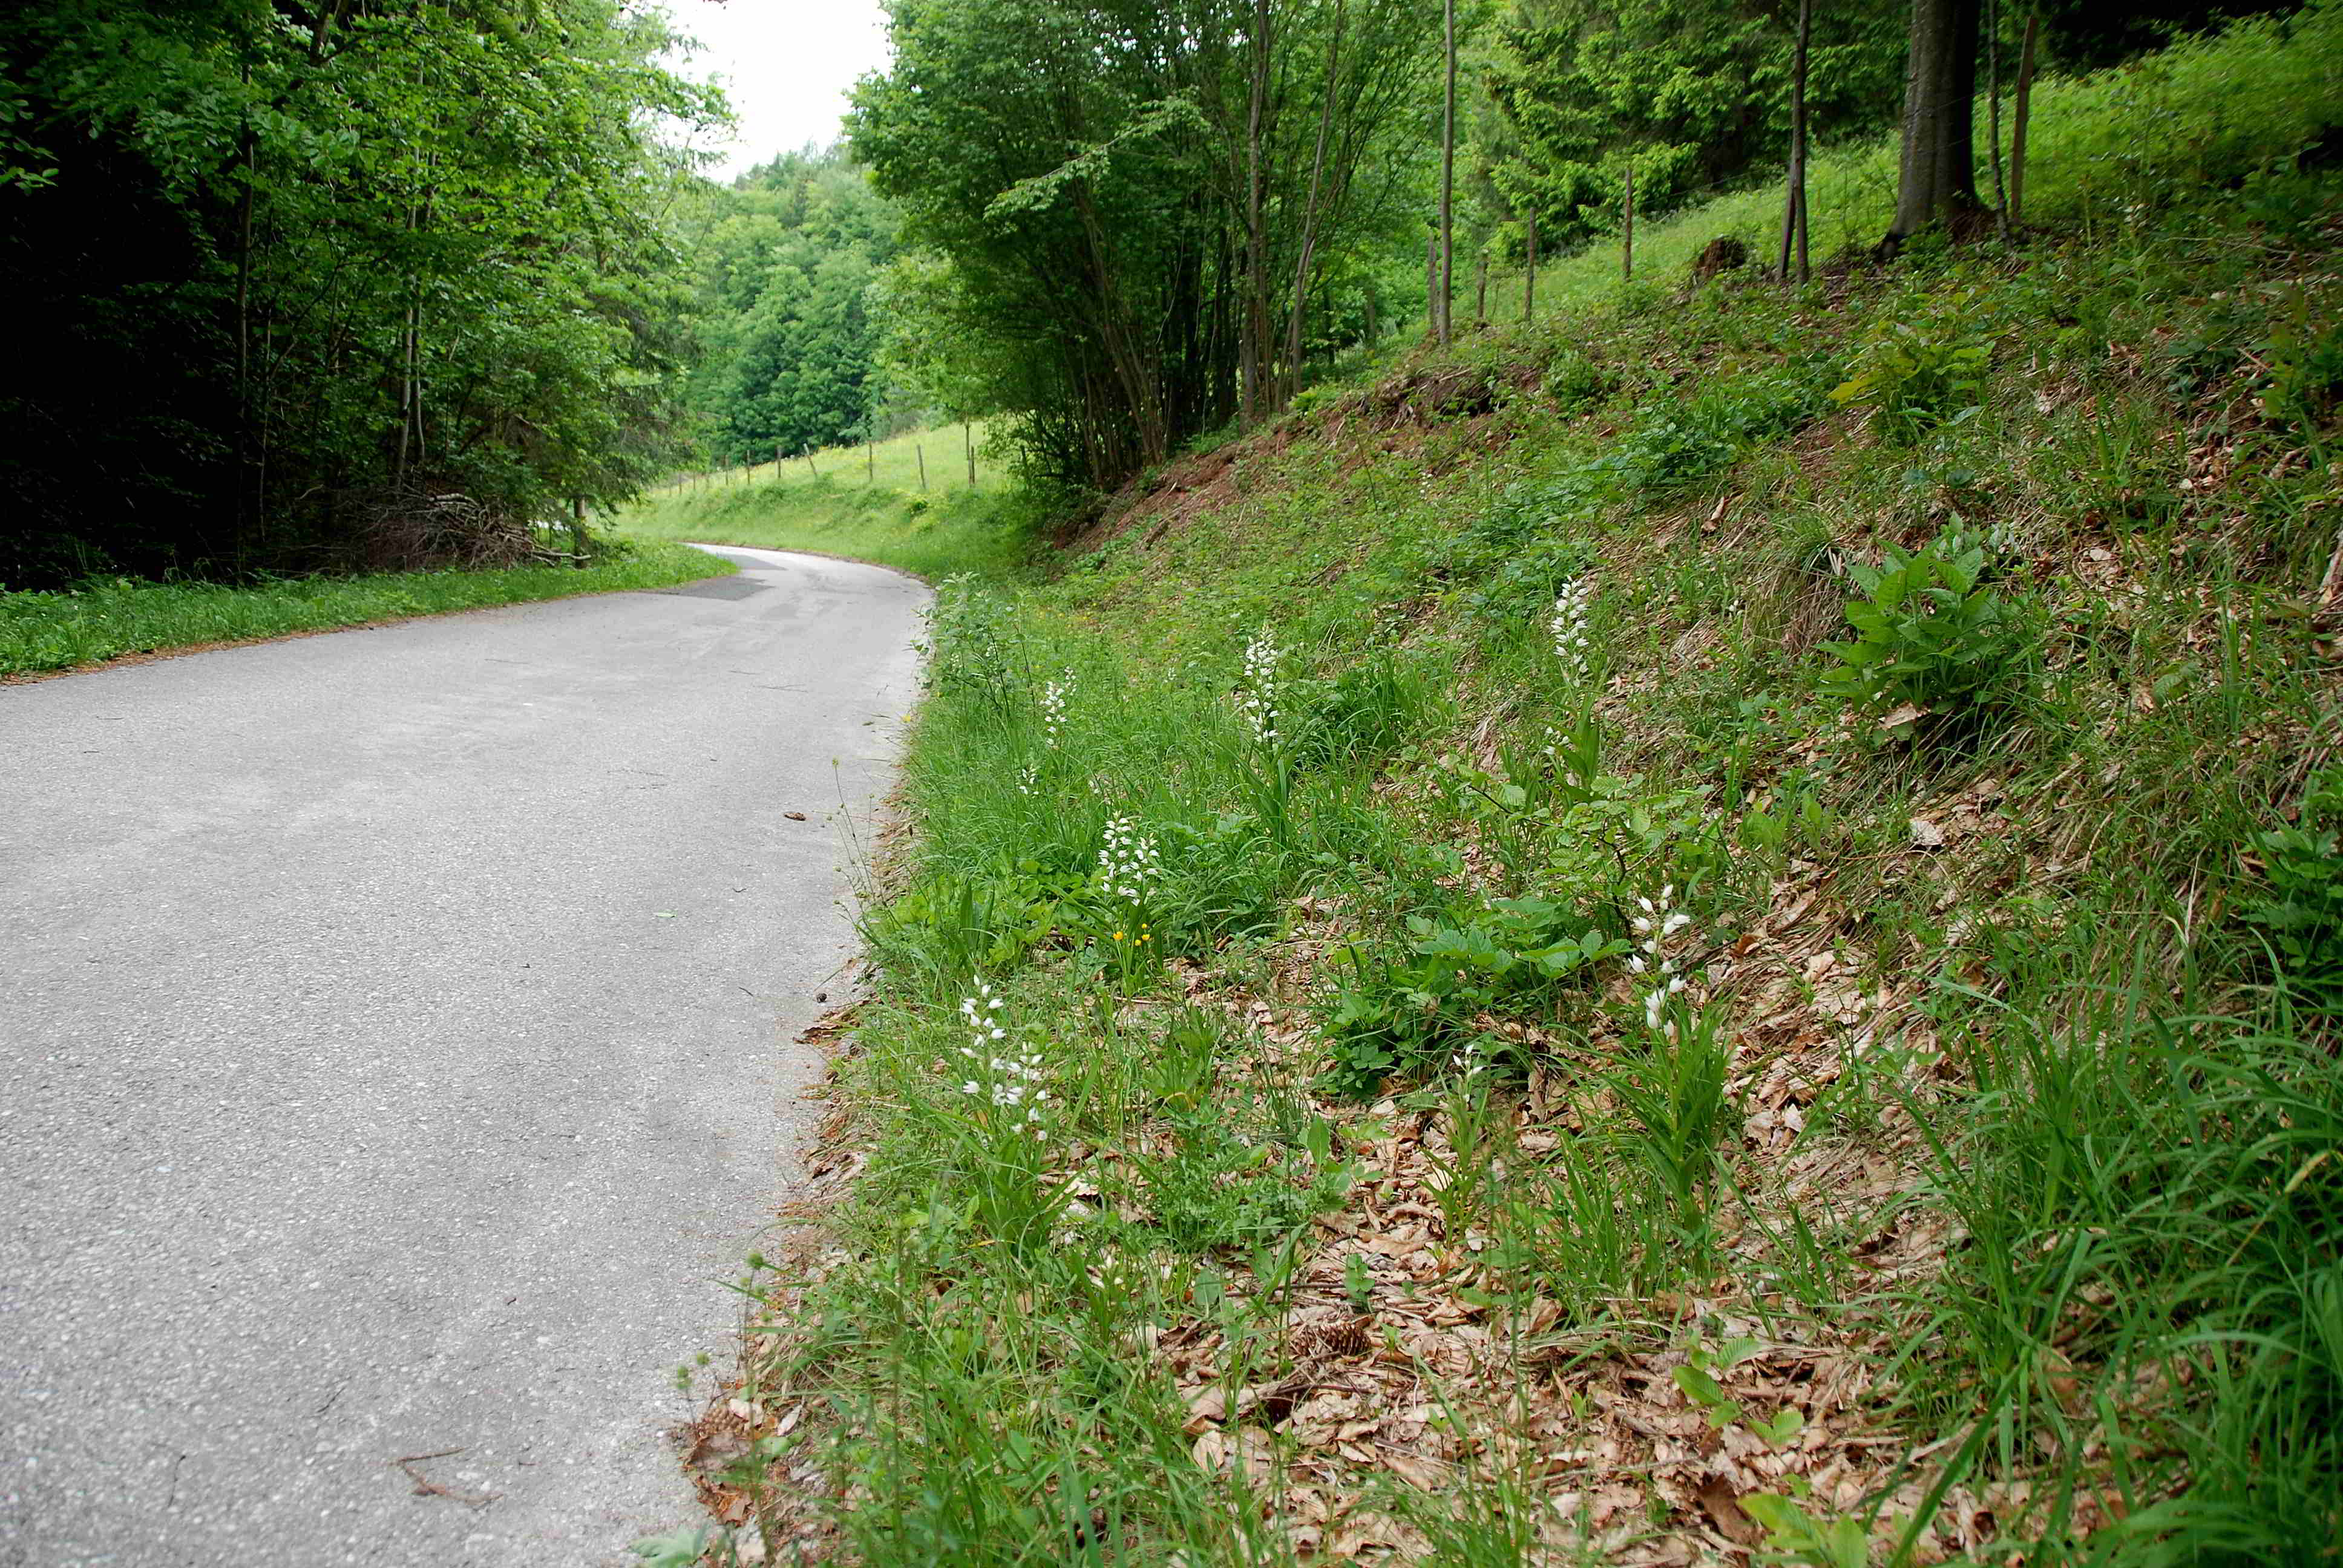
(394, 1058)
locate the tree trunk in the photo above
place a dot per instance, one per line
(1993, 112)
(1794, 215)
(1447, 170)
(1253, 328)
(1302, 263)
(1937, 181)
(1126, 342)
(2017, 124)
(968, 435)
(1481, 292)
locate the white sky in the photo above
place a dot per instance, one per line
(786, 65)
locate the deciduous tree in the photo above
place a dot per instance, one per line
(1937, 175)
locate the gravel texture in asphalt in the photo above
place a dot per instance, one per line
(395, 1060)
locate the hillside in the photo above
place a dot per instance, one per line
(907, 502)
(1709, 930)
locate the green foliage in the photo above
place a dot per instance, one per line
(1069, 168)
(2114, 1279)
(864, 504)
(1362, 714)
(1793, 1535)
(1915, 376)
(1697, 1378)
(1213, 1190)
(1693, 92)
(2166, 1196)
(1670, 447)
(2300, 909)
(1574, 380)
(1403, 1016)
(1931, 632)
(296, 279)
(680, 1548)
(2305, 361)
(790, 258)
(953, 926)
(974, 644)
(1676, 1093)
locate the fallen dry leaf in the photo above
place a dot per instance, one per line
(1207, 1406)
(1417, 1472)
(1902, 714)
(1724, 1512)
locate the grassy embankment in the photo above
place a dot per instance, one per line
(845, 504)
(1824, 1043)
(107, 619)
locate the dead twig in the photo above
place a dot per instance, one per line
(426, 1487)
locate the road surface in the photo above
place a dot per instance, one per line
(394, 1058)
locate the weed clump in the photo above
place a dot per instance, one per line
(1936, 643)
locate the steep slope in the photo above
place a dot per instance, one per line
(1709, 929)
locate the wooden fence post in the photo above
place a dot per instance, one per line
(1627, 231)
(1529, 285)
(922, 453)
(2017, 125)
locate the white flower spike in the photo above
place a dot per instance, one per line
(1257, 698)
(1568, 626)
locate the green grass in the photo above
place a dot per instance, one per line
(2006, 1060)
(2102, 149)
(107, 619)
(985, 531)
(850, 501)
(898, 463)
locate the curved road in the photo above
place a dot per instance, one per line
(393, 1059)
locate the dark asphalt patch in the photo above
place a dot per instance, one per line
(741, 586)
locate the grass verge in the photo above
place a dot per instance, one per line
(1712, 932)
(933, 463)
(109, 618)
(988, 532)
(876, 505)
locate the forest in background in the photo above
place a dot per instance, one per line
(791, 261)
(359, 284)
(330, 285)
(1127, 229)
